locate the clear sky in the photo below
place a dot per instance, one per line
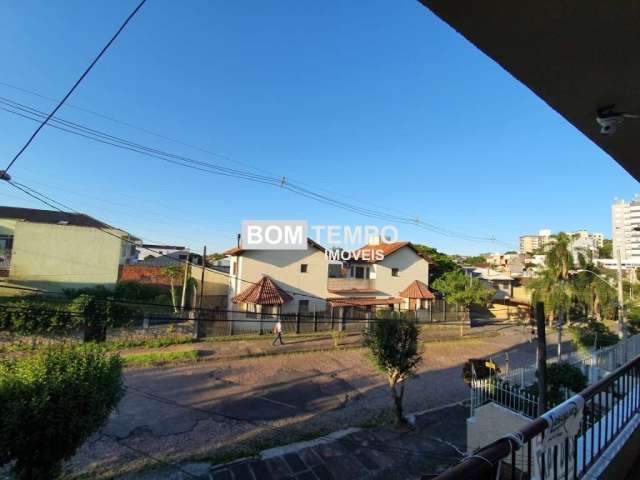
(377, 102)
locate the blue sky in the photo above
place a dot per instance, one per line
(378, 102)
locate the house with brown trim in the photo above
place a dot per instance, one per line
(382, 275)
(265, 283)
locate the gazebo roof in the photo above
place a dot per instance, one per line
(417, 289)
(264, 292)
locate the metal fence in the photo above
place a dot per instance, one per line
(594, 364)
(568, 441)
(509, 389)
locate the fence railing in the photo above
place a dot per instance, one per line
(511, 396)
(565, 442)
(594, 364)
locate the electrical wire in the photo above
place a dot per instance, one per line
(75, 85)
(25, 111)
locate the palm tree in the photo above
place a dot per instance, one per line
(554, 286)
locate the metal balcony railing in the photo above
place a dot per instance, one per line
(567, 441)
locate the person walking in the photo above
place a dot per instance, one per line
(277, 330)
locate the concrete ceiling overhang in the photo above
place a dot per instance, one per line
(577, 56)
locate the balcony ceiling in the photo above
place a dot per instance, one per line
(576, 56)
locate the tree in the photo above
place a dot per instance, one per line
(52, 402)
(439, 263)
(175, 274)
(463, 290)
(476, 261)
(606, 250)
(553, 286)
(393, 343)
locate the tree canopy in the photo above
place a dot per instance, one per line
(463, 290)
(440, 264)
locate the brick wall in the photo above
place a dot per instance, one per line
(144, 274)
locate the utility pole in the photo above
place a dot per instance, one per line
(620, 298)
(183, 301)
(621, 319)
(204, 264)
(542, 359)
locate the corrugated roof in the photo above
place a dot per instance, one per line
(51, 216)
(417, 289)
(363, 301)
(264, 292)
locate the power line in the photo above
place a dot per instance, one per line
(179, 142)
(33, 114)
(75, 85)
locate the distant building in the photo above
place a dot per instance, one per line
(625, 228)
(531, 243)
(146, 251)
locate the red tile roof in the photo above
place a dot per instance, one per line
(265, 292)
(417, 289)
(363, 301)
(239, 250)
(367, 253)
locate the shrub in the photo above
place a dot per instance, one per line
(592, 334)
(561, 376)
(98, 314)
(28, 317)
(52, 401)
(141, 292)
(393, 343)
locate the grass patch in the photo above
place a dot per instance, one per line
(148, 342)
(157, 359)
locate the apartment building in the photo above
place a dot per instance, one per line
(625, 228)
(531, 243)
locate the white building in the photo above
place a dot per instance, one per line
(625, 225)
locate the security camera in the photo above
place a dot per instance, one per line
(609, 120)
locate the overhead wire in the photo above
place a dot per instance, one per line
(75, 85)
(282, 182)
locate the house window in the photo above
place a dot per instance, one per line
(395, 272)
(304, 268)
(303, 307)
(359, 272)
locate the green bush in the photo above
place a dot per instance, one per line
(141, 292)
(28, 317)
(99, 314)
(561, 376)
(52, 401)
(593, 333)
(633, 320)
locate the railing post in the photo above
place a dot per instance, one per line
(298, 322)
(315, 321)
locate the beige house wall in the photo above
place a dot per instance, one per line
(7, 226)
(283, 266)
(216, 285)
(410, 265)
(55, 257)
